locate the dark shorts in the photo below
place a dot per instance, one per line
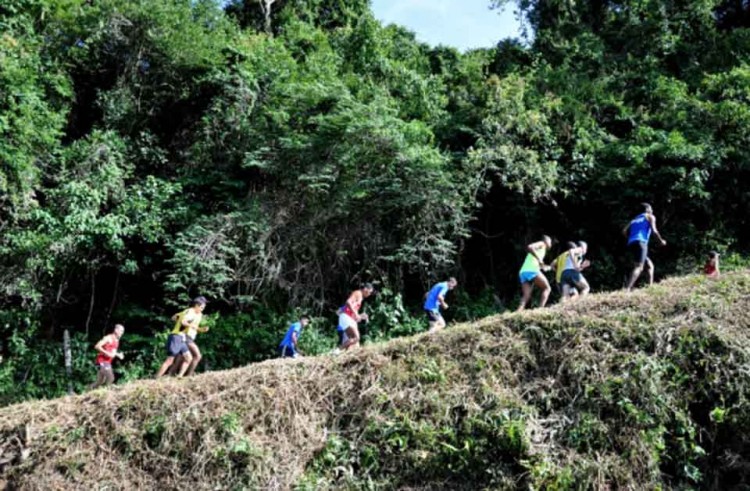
(176, 345)
(638, 252)
(189, 340)
(571, 277)
(434, 315)
(287, 352)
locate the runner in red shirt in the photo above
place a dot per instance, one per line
(711, 269)
(107, 351)
(349, 317)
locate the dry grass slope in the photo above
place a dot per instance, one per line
(647, 390)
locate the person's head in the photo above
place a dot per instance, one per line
(713, 256)
(547, 240)
(199, 303)
(367, 290)
(304, 320)
(571, 245)
(452, 283)
(647, 208)
(119, 330)
(584, 246)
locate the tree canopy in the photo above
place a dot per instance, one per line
(271, 155)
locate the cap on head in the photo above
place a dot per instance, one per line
(583, 246)
(647, 208)
(119, 329)
(200, 300)
(547, 240)
(571, 245)
(368, 286)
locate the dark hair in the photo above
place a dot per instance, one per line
(201, 300)
(713, 254)
(368, 286)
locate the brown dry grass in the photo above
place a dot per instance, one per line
(263, 426)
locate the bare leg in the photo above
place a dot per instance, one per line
(650, 271)
(526, 289)
(637, 270)
(165, 366)
(583, 286)
(565, 294)
(99, 379)
(196, 358)
(541, 282)
(352, 333)
(186, 359)
(437, 324)
(172, 372)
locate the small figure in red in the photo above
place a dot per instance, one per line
(711, 269)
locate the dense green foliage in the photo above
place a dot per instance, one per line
(271, 158)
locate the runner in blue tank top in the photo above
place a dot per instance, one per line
(638, 232)
(434, 299)
(288, 347)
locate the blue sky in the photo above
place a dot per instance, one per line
(463, 24)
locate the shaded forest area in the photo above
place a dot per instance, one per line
(272, 155)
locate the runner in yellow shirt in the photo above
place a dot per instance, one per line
(193, 319)
(177, 344)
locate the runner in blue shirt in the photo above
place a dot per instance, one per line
(434, 299)
(638, 232)
(288, 347)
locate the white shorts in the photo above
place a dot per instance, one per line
(345, 322)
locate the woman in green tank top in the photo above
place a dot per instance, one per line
(531, 272)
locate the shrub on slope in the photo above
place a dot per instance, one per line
(647, 390)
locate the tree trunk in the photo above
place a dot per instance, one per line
(91, 304)
(265, 6)
(68, 360)
(113, 302)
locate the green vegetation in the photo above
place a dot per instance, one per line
(647, 390)
(151, 151)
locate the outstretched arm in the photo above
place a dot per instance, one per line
(652, 220)
(532, 248)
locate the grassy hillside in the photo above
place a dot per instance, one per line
(647, 390)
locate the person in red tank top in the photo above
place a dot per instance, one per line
(107, 350)
(349, 316)
(711, 269)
